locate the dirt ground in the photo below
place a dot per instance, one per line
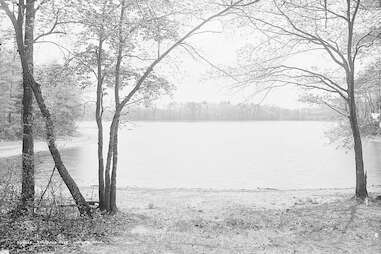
(265, 221)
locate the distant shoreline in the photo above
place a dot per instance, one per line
(372, 188)
(215, 120)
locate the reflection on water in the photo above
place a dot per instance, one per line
(225, 155)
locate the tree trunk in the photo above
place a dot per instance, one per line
(28, 185)
(108, 167)
(114, 168)
(110, 181)
(361, 189)
(101, 184)
(98, 117)
(101, 180)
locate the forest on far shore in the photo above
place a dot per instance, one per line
(222, 111)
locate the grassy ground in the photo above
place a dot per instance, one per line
(201, 221)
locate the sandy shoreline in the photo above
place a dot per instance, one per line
(268, 221)
(137, 197)
(13, 148)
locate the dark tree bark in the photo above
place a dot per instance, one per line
(361, 189)
(28, 185)
(113, 206)
(112, 157)
(108, 168)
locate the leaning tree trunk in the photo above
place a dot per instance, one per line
(28, 185)
(361, 189)
(82, 205)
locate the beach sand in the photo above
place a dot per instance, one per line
(241, 221)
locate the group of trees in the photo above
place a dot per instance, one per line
(118, 46)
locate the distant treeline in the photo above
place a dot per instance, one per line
(224, 111)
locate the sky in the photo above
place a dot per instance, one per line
(192, 76)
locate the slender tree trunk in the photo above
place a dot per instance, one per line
(113, 206)
(98, 118)
(108, 167)
(28, 185)
(101, 180)
(361, 189)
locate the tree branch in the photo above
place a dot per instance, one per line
(177, 43)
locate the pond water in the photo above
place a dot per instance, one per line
(222, 155)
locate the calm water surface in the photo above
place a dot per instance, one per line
(223, 155)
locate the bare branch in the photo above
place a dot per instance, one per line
(175, 45)
(51, 30)
(345, 114)
(10, 14)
